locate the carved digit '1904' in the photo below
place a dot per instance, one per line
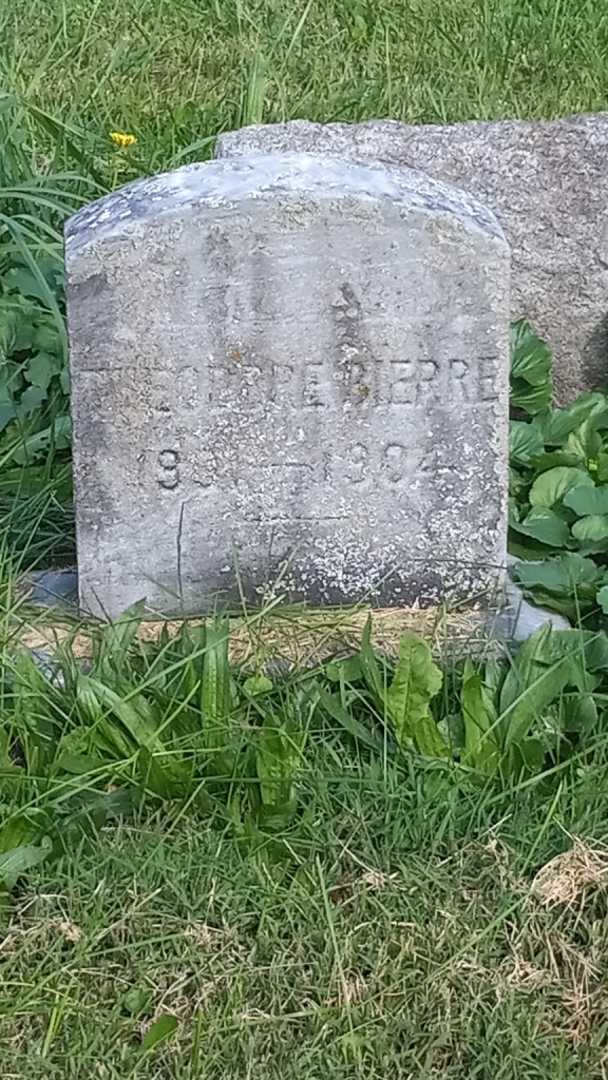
(394, 460)
(356, 467)
(168, 472)
(390, 461)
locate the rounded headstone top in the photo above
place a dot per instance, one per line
(262, 177)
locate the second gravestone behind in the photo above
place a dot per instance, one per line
(289, 374)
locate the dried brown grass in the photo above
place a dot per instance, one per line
(566, 879)
(297, 638)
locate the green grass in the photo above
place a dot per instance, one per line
(336, 908)
(176, 72)
(404, 938)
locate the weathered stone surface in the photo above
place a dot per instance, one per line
(289, 373)
(547, 183)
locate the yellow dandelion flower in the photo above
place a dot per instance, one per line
(122, 139)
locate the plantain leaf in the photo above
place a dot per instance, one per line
(347, 670)
(532, 754)
(564, 574)
(479, 717)
(550, 487)
(579, 713)
(586, 500)
(544, 665)
(585, 441)
(257, 684)
(555, 425)
(593, 528)
(544, 462)
(14, 863)
(543, 525)
(215, 684)
(41, 368)
(161, 1029)
(416, 681)
(567, 584)
(277, 759)
(525, 442)
(531, 382)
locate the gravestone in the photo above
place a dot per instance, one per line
(547, 183)
(289, 376)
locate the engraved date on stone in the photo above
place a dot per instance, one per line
(168, 469)
(390, 463)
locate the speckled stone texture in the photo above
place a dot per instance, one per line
(547, 183)
(289, 376)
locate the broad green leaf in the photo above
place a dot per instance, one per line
(7, 414)
(587, 500)
(544, 462)
(593, 643)
(543, 525)
(562, 604)
(41, 368)
(479, 717)
(136, 1000)
(428, 738)
(526, 550)
(30, 400)
(257, 684)
(99, 807)
(532, 754)
(525, 442)
(24, 331)
(18, 831)
(74, 752)
(164, 774)
(533, 681)
(592, 528)
(46, 338)
(544, 665)
(14, 863)
(550, 487)
(161, 1029)
(530, 355)
(78, 764)
(416, 681)
(277, 760)
(34, 446)
(555, 425)
(23, 280)
(347, 670)
(527, 398)
(602, 599)
(564, 574)
(531, 383)
(579, 713)
(135, 713)
(585, 441)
